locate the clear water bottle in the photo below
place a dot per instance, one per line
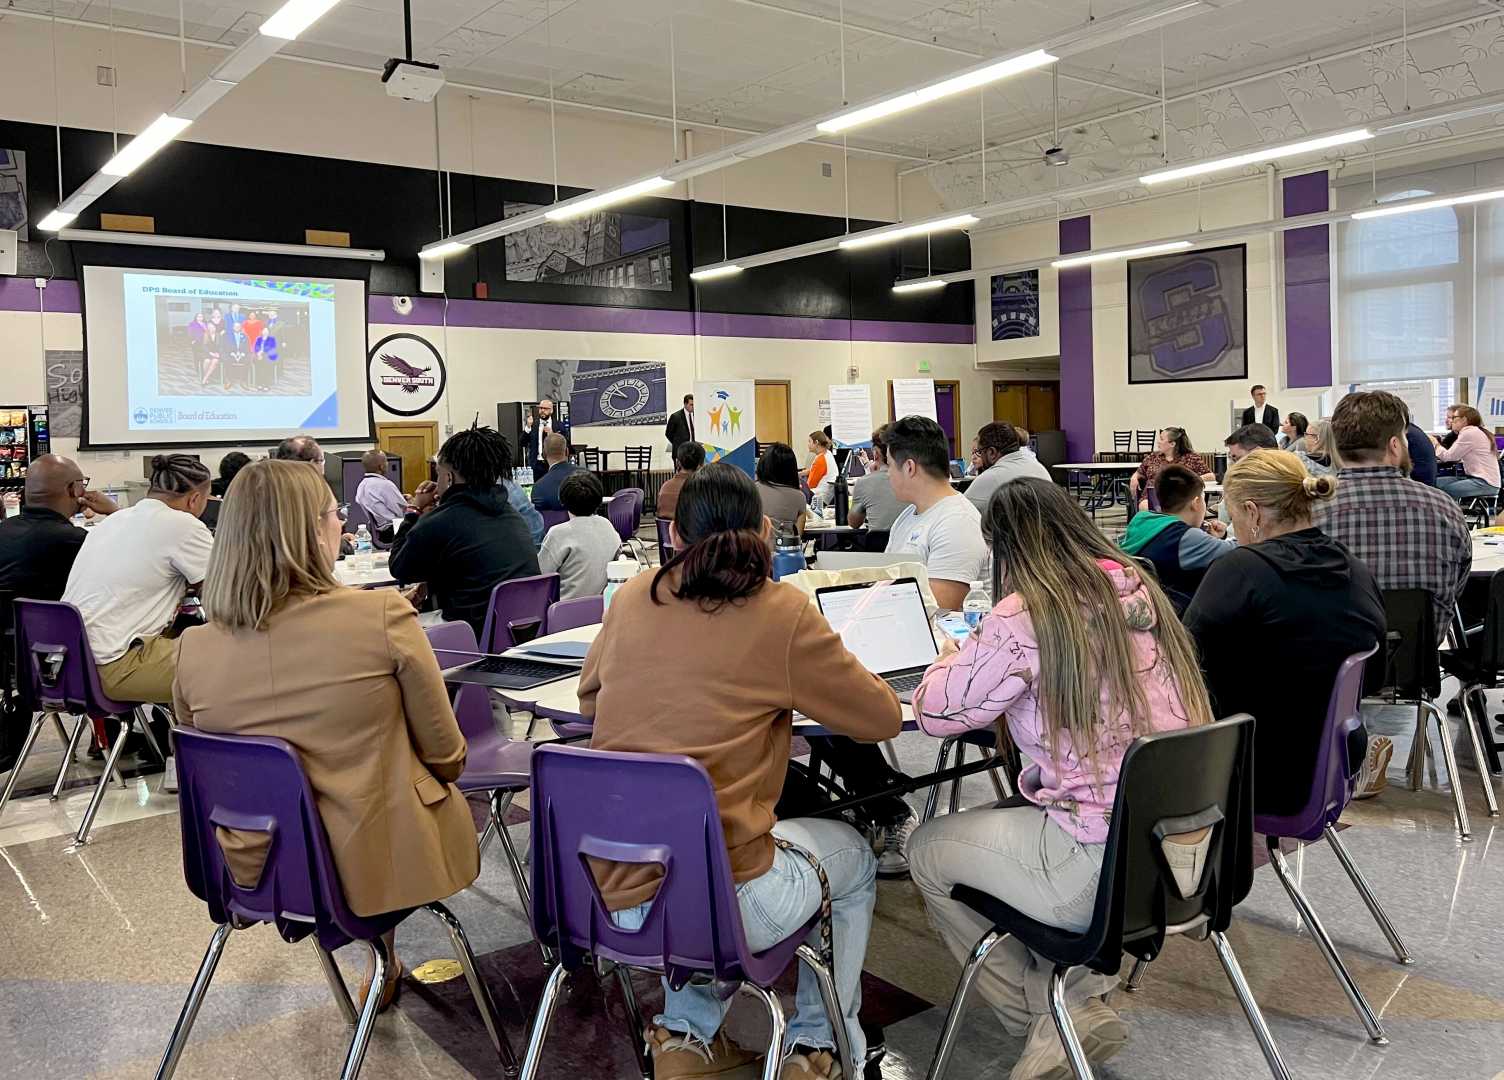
(362, 558)
(976, 604)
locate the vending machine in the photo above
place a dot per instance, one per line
(24, 435)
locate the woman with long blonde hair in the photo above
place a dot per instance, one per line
(347, 678)
(1317, 451)
(1081, 654)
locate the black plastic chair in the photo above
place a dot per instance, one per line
(1411, 675)
(1145, 441)
(1478, 663)
(1172, 783)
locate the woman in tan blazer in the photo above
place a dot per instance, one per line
(346, 677)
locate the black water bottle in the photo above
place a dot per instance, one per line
(843, 499)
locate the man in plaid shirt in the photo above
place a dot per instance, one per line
(1411, 536)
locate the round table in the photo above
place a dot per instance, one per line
(1488, 554)
(378, 577)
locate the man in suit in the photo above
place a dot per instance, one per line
(681, 426)
(1259, 412)
(539, 426)
(546, 488)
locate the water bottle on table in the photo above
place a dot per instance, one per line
(976, 604)
(362, 559)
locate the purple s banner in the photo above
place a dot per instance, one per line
(1187, 318)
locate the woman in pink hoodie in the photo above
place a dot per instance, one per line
(1081, 655)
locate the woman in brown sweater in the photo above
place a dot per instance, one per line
(746, 652)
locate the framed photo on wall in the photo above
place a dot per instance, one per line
(1188, 316)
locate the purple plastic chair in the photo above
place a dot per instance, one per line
(241, 782)
(625, 513)
(573, 613)
(552, 518)
(655, 809)
(665, 545)
(517, 605)
(494, 763)
(1331, 791)
(53, 653)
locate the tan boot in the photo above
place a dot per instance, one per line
(1101, 1030)
(811, 1065)
(684, 1057)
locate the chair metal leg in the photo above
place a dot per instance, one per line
(541, 1022)
(486, 837)
(478, 988)
(1401, 953)
(772, 1065)
(932, 801)
(1136, 976)
(82, 836)
(369, 1008)
(1328, 950)
(196, 993)
(1062, 1016)
(827, 983)
(15, 770)
(1251, 1009)
(143, 717)
(62, 732)
(634, 1021)
(500, 801)
(1444, 732)
(1419, 747)
(955, 785)
(1000, 787)
(1471, 722)
(62, 771)
(336, 983)
(953, 1018)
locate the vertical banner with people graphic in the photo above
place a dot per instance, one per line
(726, 421)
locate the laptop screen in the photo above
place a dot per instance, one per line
(883, 623)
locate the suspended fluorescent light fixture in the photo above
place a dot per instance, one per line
(1428, 204)
(56, 220)
(967, 80)
(135, 153)
(608, 198)
(1128, 253)
(443, 250)
(917, 286)
(960, 221)
(1305, 146)
(713, 272)
(295, 16)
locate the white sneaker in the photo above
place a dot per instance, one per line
(1373, 777)
(170, 775)
(1187, 863)
(894, 860)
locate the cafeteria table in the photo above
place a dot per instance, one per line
(1103, 481)
(378, 577)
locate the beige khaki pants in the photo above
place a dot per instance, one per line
(144, 673)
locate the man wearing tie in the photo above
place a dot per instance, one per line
(539, 426)
(1259, 412)
(681, 425)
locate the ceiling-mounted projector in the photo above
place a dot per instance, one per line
(412, 80)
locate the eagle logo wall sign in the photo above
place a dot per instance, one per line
(406, 374)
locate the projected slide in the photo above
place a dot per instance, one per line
(178, 356)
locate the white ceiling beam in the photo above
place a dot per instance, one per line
(1092, 35)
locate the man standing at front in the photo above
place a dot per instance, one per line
(540, 426)
(681, 427)
(940, 527)
(1260, 412)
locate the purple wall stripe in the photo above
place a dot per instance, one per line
(1078, 411)
(1308, 286)
(20, 294)
(712, 324)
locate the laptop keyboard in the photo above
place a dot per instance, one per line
(516, 667)
(904, 683)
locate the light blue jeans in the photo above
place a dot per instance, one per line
(773, 907)
(1466, 487)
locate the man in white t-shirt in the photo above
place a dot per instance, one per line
(131, 576)
(941, 527)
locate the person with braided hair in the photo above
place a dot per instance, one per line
(461, 537)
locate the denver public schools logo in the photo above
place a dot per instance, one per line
(406, 374)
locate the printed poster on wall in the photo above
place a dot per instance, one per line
(914, 397)
(1188, 316)
(851, 414)
(726, 421)
(13, 192)
(608, 393)
(1015, 305)
(65, 391)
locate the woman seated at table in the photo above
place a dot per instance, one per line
(1173, 448)
(1292, 431)
(1474, 450)
(1080, 656)
(707, 657)
(778, 487)
(344, 675)
(1301, 603)
(822, 469)
(1315, 450)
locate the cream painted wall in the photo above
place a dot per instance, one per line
(1202, 408)
(330, 112)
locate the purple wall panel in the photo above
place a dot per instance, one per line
(1078, 413)
(1308, 285)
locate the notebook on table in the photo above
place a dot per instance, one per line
(885, 626)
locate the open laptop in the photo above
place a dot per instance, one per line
(513, 672)
(885, 626)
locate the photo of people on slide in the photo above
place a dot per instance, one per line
(215, 346)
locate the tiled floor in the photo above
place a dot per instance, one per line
(98, 945)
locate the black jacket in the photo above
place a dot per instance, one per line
(1273, 622)
(37, 549)
(463, 548)
(1273, 422)
(677, 431)
(535, 439)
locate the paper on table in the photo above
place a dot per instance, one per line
(915, 397)
(851, 414)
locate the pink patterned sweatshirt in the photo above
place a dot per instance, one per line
(993, 675)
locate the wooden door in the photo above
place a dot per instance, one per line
(415, 442)
(1010, 403)
(1044, 407)
(773, 421)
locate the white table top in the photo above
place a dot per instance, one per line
(1488, 554)
(1100, 466)
(379, 576)
(849, 560)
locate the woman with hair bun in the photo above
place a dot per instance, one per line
(1291, 602)
(708, 657)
